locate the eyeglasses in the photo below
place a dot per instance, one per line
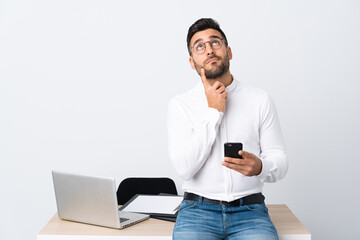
(200, 47)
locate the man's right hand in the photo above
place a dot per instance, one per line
(215, 94)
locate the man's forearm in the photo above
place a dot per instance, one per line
(190, 146)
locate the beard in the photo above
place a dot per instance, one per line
(215, 71)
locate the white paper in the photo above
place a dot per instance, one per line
(154, 204)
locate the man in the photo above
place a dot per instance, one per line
(223, 197)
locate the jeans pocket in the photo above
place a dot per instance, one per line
(187, 204)
(261, 207)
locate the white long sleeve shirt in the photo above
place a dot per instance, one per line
(197, 135)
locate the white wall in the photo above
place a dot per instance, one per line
(84, 86)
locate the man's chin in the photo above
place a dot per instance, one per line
(212, 76)
(214, 73)
(212, 70)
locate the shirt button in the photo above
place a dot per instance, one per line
(222, 125)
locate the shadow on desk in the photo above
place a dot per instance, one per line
(286, 223)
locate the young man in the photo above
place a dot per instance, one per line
(223, 197)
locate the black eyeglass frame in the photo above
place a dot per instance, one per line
(221, 44)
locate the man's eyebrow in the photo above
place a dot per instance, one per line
(200, 39)
(211, 36)
(214, 36)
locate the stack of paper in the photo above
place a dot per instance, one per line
(157, 206)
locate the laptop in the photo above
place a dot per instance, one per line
(91, 200)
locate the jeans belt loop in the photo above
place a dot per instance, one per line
(241, 201)
(200, 199)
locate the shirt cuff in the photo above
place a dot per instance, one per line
(265, 169)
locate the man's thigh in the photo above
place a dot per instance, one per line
(204, 221)
(194, 221)
(251, 223)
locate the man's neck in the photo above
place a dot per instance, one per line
(226, 79)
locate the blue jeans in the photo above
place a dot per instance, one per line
(209, 221)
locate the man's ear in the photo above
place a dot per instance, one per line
(229, 52)
(191, 61)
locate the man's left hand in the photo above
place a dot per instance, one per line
(249, 165)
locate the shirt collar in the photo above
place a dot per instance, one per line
(232, 85)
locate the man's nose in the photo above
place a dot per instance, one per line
(208, 48)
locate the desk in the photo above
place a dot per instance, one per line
(287, 225)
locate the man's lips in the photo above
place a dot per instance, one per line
(213, 59)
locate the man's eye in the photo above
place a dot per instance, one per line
(200, 47)
(215, 43)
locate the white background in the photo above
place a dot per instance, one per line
(84, 86)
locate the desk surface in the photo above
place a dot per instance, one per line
(287, 225)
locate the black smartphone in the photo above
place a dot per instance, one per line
(232, 149)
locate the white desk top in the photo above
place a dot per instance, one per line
(287, 225)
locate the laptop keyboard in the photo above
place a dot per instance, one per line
(123, 219)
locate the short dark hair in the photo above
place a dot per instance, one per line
(200, 25)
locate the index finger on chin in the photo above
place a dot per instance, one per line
(203, 78)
